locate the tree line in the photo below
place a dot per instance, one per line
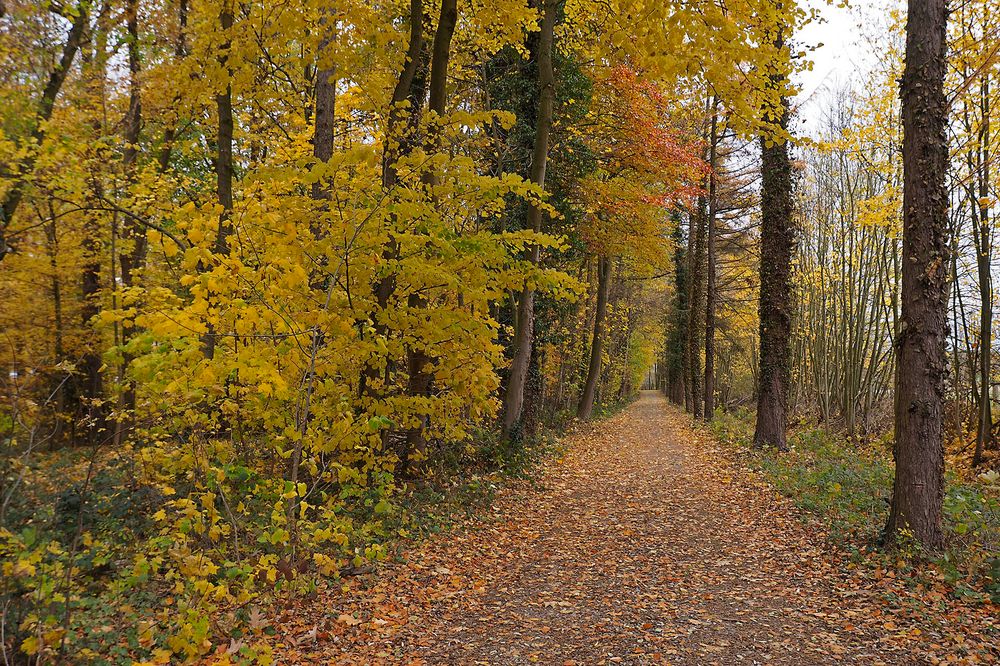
(874, 285)
(270, 270)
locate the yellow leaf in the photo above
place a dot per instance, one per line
(30, 645)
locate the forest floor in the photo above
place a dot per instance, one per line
(643, 544)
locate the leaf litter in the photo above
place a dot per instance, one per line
(643, 544)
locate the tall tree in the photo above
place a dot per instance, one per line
(91, 394)
(325, 92)
(921, 362)
(586, 406)
(777, 242)
(132, 254)
(404, 108)
(513, 401)
(676, 350)
(224, 154)
(417, 356)
(978, 158)
(711, 282)
(696, 298)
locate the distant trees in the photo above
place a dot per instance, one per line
(846, 296)
(972, 138)
(699, 279)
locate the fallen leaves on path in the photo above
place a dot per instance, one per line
(643, 545)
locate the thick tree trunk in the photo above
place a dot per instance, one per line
(921, 364)
(777, 244)
(711, 288)
(533, 395)
(513, 401)
(325, 90)
(586, 406)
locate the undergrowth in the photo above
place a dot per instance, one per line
(103, 565)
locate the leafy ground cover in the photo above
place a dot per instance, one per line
(644, 542)
(845, 486)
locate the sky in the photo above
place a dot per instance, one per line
(844, 57)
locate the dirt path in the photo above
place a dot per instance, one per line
(639, 547)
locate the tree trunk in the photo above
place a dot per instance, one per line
(91, 395)
(398, 142)
(12, 197)
(223, 160)
(984, 261)
(696, 292)
(777, 244)
(586, 405)
(326, 104)
(533, 395)
(59, 354)
(132, 252)
(180, 50)
(513, 400)
(921, 367)
(711, 288)
(417, 358)
(676, 354)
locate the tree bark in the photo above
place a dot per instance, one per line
(586, 406)
(533, 396)
(513, 401)
(325, 91)
(777, 244)
(921, 364)
(711, 288)
(696, 297)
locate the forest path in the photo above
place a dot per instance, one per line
(640, 546)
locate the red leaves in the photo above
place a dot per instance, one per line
(648, 160)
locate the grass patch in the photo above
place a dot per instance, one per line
(846, 485)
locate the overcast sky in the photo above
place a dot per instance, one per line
(845, 57)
